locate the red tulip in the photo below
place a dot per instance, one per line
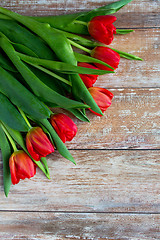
(106, 55)
(21, 166)
(88, 79)
(64, 126)
(102, 97)
(102, 29)
(38, 144)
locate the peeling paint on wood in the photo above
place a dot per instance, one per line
(145, 44)
(76, 226)
(102, 181)
(131, 122)
(136, 14)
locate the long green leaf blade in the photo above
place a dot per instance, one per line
(79, 114)
(6, 153)
(22, 36)
(68, 22)
(10, 115)
(127, 55)
(104, 10)
(6, 63)
(51, 74)
(66, 67)
(84, 58)
(21, 97)
(124, 31)
(39, 88)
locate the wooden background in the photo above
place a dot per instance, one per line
(114, 191)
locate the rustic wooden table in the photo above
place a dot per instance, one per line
(114, 191)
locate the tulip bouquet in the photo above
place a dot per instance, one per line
(40, 70)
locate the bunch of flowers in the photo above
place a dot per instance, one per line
(40, 71)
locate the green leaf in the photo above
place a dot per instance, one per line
(20, 47)
(16, 135)
(52, 82)
(68, 22)
(84, 58)
(80, 91)
(51, 74)
(59, 21)
(56, 40)
(58, 142)
(10, 115)
(60, 45)
(39, 88)
(80, 40)
(79, 114)
(124, 31)
(6, 63)
(21, 97)
(21, 36)
(44, 161)
(65, 67)
(6, 153)
(127, 55)
(23, 49)
(2, 16)
(105, 10)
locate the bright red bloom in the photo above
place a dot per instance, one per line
(64, 126)
(102, 29)
(106, 55)
(38, 144)
(88, 79)
(102, 97)
(21, 166)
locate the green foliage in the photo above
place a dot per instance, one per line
(6, 153)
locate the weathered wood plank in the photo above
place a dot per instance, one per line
(60, 226)
(132, 121)
(142, 43)
(102, 181)
(142, 13)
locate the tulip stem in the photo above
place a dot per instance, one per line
(81, 22)
(126, 55)
(9, 137)
(25, 118)
(79, 46)
(44, 161)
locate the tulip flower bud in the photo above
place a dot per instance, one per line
(102, 29)
(21, 166)
(64, 126)
(106, 55)
(88, 79)
(102, 97)
(38, 144)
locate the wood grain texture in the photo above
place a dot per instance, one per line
(72, 226)
(102, 181)
(132, 121)
(132, 74)
(142, 13)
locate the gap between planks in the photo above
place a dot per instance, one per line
(111, 181)
(51, 226)
(79, 212)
